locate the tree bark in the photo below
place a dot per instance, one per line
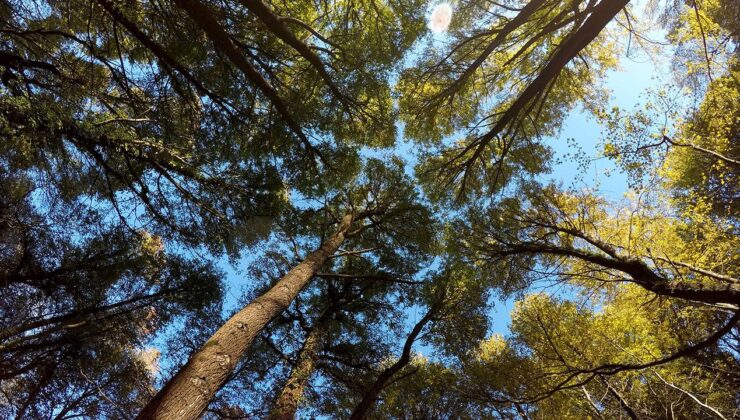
(286, 404)
(188, 393)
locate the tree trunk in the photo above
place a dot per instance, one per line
(286, 404)
(571, 46)
(188, 393)
(368, 400)
(622, 402)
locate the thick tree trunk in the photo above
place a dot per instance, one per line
(188, 393)
(286, 404)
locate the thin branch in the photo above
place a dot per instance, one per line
(690, 395)
(203, 17)
(703, 150)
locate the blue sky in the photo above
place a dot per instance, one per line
(627, 85)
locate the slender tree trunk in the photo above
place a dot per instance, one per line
(622, 402)
(517, 21)
(286, 404)
(591, 402)
(277, 26)
(368, 400)
(571, 46)
(521, 411)
(188, 393)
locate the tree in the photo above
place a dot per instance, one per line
(446, 310)
(164, 128)
(511, 74)
(697, 158)
(147, 143)
(351, 305)
(692, 144)
(114, 117)
(427, 391)
(389, 372)
(575, 236)
(562, 355)
(79, 301)
(342, 314)
(371, 210)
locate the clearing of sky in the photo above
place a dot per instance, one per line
(440, 18)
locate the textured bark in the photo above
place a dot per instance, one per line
(286, 404)
(188, 393)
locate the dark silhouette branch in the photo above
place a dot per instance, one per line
(368, 400)
(203, 17)
(719, 156)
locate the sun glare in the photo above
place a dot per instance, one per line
(440, 18)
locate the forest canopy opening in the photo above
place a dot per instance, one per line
(369, 209)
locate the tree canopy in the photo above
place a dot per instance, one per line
(311, 209)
